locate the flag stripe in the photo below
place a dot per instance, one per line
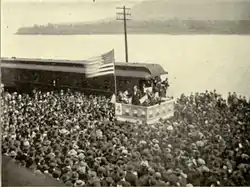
(102, 70)
(107, 65)
(101, 65)
(100, 74)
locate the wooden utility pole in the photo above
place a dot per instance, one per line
(124, 19)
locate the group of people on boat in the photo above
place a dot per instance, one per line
(146, 96)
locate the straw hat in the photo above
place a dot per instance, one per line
(26, 143)
(201, 161)
(170, 128)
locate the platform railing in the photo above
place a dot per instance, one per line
(146, 114)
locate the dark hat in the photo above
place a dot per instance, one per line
(53, 164)
(59, 161)
(68, 183)
(56, 173)
(56, 148)
(65, 178)
(101, 170)
(130, 168)
(110, 149)
(134, 155)
(119, 162)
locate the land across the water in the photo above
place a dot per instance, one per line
(162, 17)
(143, 27)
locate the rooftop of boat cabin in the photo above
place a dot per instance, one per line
(154, 69)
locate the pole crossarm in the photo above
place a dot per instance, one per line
(123, 8)
(121, 19)
(121, 13)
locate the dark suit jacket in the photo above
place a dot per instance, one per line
(136, 97)
(131, 178)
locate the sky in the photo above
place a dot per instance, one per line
(100, 1)
(91, 1)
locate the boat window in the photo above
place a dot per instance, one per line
(147, 83)
(121, 82)
(36, 76)
(10, 73)
(84, 82)
(25, 75)
(78, 80)
(106, 84)
(6, 71)
(41, 76)
(67, 78)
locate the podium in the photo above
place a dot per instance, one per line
(144, 114)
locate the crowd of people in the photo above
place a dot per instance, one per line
(76, 139)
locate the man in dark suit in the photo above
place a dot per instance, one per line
(136, 96)
(130, 176)
(165, 82)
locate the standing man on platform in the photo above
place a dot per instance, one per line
(136, 96)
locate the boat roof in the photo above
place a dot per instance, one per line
(154, 69)
(132, 68)
(42, 60)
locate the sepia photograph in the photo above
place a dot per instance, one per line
(125, 93)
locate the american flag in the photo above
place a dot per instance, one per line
(101, 65)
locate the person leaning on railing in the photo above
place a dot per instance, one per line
(152, 99)
(149, 98)
(122, 97)
(125, 97)
(119, 97)
(165, 83)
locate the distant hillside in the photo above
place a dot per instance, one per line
(165, 17)
(146, 27)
